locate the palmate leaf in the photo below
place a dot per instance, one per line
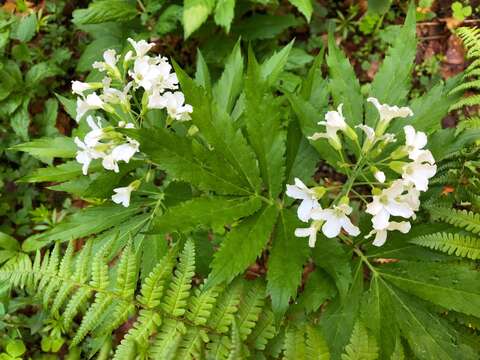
(242, 245)
(189, 161)
(454, 286)
(392, 81)
(214, 123)
(265, 132)
(205, 212)
(457, 244)
(286, 260)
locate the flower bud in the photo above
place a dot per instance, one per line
(319, 191)
(335, 143)
(344, 200)
(399, 153)
(397, 166)
(351, 134)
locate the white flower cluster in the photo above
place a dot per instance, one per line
(398, 198)
(150, 76)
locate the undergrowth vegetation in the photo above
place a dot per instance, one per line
(265, 203)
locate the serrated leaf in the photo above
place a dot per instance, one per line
(60, 146)
(67, 171)
(272, 67)
(105, 11)
(259, 26)
(25, 29)
(304, 6)
(242, 245)
(205, 212)
(319, 287)
(286, 260)
(195, 13)
(362, 346)
(224, 12)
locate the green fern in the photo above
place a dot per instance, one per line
(458, 244)
(362, 346)
(468, 220)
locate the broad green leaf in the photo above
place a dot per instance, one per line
(60, 147)
(379, 6)
(331, 257)
(219, 130)
(242, 245)
(25, 29)
(195, 13)
(343, 84)
(169, 19)
(229, 86)
(189, 161)
(67, 171)
(8, 242)
(41, 71)
(69, 105)
(272, 67)
(453, 286)
(48, 118)
(105, 11)
(362, 345)
(75, 186)
(83, 223)
(20, 121)
(205, 212)
(224, 12)
(392, 81)
(286, 260)
(265, 133)
(94, 51)
(319, 287)
(340, 315)
(315, 87)
(202, 74)
(304, 6)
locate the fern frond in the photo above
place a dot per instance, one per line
(295, 347)
(223, 313)
(201, 304)
(466, 101)
(179, 289)
(263, 331)
(250, 308)
(468, 220)
(474, 84)
(168, 340)
(460, 245)
(317, 347)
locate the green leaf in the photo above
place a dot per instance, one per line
(379, 6)
(343, 84)
(20, 121)
(242, 245)
(264, 129)
(304, 6)
(195, 13)
(319, 287)
(25, 29)
(392, 81)
(272, 67)
(260, 27)
(94, 50)
(205, 212)
(40, 72)
(8, 242)
(105, 11)
(229, 86)
(189, 161)
(69, 105)
(330, 256)
(202, 74)
(67, 171)
(460, 218)
(83, 223)
(455, 287)
(457, 244)
(57, 147)
(362, 346)
(168, 19)
(286, 260)
(224, 12)
(217, 126)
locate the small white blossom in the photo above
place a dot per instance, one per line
(380, 176)
(381, 234)
(334, 121)
(125, 152)
(110, 163)
(310, 232)
(122, 195)
(415, 141)
(308, 196)
(387, 112)
(90, 102)
(153, 74)
(110, 58)
(369, 132)
(79, 87)
(389, 203)
(141, 47)
(173, 102)
(86, 154)
(336, 219)
(420, 171)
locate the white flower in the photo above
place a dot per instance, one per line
(93, 137)
(110, 163)
(334, 122)
(86, 154)
(387, 112)
(310, 232)
(115, 96)
(335, 219)
(122, 195)
(110, 58)
(79, 87)
(415, 141)
(309, 199)
(380, 176)
(141, 47)
(389, 203)
(153, 74)
(381, 234)
(91, 102)
(369, 132)
(173, 102)
(125, 152)
(420, 171)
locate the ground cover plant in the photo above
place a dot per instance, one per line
(285, 199)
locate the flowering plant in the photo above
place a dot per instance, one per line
(240, 169)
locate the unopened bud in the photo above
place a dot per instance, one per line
(397, 166)
(319, 191)
(351, 134)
